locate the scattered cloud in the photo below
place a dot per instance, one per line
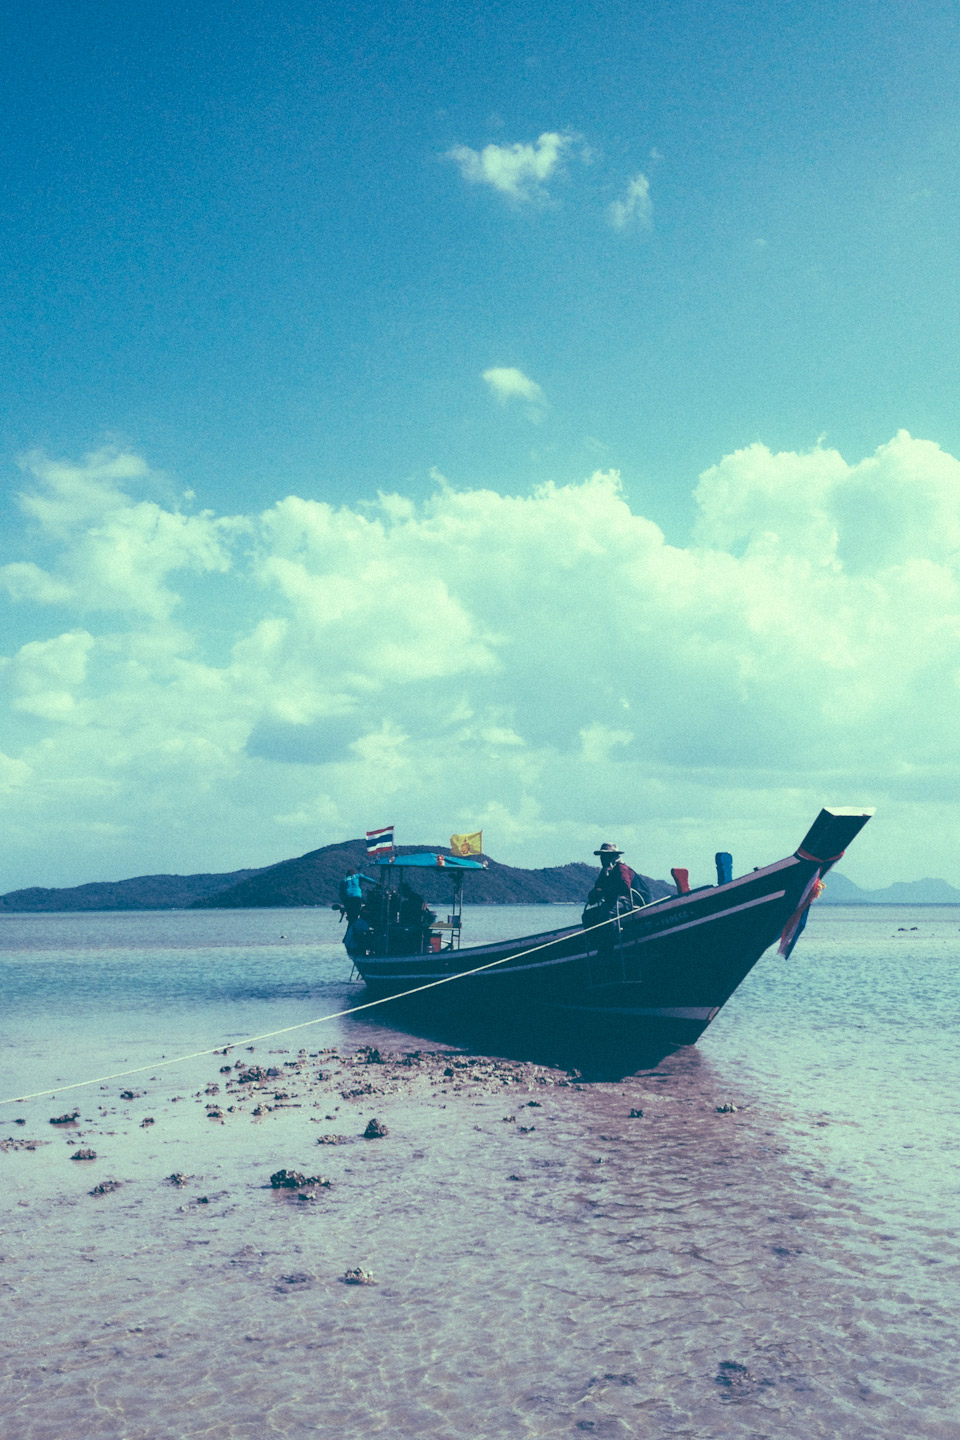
(545, 664)
(48, 673)
(635, 210)
(14, 774)
(598, 741)
(25, 581)
(507, 383)
(119, 551)
(519, 171)
(596, 447)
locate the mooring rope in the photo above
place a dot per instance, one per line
(305, 1024)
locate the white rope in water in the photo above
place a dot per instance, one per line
(304, 1024)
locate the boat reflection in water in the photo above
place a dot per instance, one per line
(648, 979)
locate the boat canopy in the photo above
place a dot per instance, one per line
(430, 862)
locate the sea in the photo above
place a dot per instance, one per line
(777, 1256)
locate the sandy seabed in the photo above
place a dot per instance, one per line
(545, 1261)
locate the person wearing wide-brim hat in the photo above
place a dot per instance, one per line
(614, 888)
(615, 878)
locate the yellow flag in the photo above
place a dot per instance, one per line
(467, 844)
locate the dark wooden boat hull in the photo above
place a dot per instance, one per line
(660, 974)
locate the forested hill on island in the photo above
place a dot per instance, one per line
(146, 892)
(312, 879)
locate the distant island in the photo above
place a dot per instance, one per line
(312, 879)
(838, 890)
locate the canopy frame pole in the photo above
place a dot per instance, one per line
(457, 916)
(387, 903)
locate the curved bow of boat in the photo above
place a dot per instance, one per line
(666, 968)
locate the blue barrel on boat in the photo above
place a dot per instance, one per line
(724, 867)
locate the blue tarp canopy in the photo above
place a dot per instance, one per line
(431, 862)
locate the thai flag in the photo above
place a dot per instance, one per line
(379, 842)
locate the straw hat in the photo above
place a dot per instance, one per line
(607, 849)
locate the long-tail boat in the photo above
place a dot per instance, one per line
(660, 971)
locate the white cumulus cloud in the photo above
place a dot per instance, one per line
(545, 664)
(635, 209)
(116, 552)
(520, 171)
(507, 383)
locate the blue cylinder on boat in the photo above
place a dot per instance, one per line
(724, 866)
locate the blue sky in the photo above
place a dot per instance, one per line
(442, 252)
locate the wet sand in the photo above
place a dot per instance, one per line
(545, 1261)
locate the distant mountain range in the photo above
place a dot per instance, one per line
(312, 879)
(146, 892)
(838, 890)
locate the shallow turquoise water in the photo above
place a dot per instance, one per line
(856, 1038)
(804, 1246)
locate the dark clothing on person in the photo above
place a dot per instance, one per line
(616, 889)
(411, 906)
(416, 918)
(614, 881)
